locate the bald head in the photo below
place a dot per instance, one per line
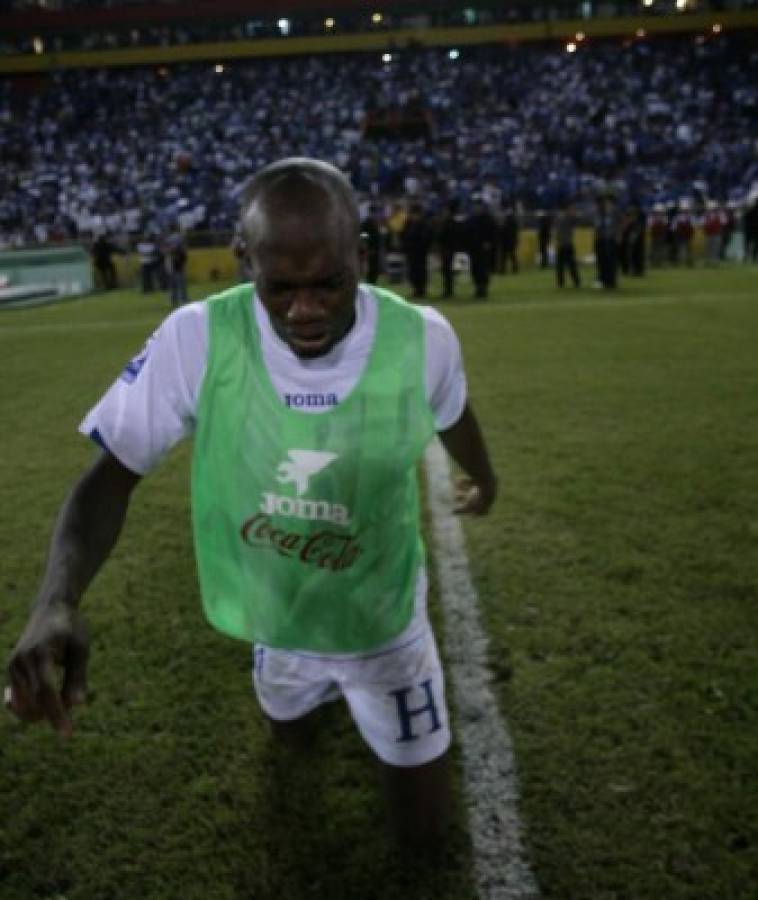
(293, 198)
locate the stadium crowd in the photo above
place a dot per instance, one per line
(137, 150)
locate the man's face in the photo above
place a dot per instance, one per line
(306, 278)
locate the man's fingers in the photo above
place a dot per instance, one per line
(50, 701)
(469, 501)
(22, 690)
(472, 497)
(475, 504)
(53, 637)
(45, 703)
(75, 660)
(23, 675)
(463, 491)
(20, 707)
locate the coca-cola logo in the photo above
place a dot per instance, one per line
(322, 549)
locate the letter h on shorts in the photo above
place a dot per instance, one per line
(406, 715)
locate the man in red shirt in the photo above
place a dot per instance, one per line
(713, 229)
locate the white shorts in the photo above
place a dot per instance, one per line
(396, 696)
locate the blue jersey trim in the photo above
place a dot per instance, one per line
(98, 439)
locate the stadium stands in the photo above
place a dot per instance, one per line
(125, 149)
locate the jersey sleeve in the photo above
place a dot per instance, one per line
(446, 388)
(152, 404)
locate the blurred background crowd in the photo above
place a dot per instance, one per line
(658, 135)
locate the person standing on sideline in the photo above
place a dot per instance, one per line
(565, 252)
(544, 230)
(176, 260)
(371, 236)
(394, 257)
(416, 241)
(481, 232)
(684, 232)
(636, 240)
(730, 225)
(658, 228)
(149, 261)
(671, 239)
(311, 398)
(508, 234)
(450, 240)
(624, 240)
(606, 231)
(102, 256)
(713, 227)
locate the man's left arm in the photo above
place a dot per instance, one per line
(476, 492)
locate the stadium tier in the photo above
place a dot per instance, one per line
(132, 149)
(72, 27)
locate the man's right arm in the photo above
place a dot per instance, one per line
(86, 531)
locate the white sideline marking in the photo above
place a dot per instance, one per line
(489, 770)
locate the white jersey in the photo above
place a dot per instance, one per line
(153, 404)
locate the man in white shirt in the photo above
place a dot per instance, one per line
(317, 336)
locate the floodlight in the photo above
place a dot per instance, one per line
(284, 26)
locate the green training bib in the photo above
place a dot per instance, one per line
(306, 525)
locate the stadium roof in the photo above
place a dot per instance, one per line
(91, 17)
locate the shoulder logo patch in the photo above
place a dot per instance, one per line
(134, 366)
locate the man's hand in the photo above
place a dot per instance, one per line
(475, 492)
(85, 532)
(472, 498)
(54, 636)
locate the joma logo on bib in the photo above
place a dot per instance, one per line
(298, 470)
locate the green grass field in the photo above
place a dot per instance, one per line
(618, 581)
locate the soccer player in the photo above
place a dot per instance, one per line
(310, 399)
